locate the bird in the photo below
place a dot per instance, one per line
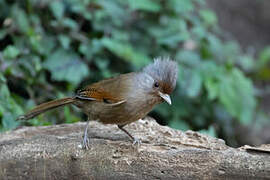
(122, 99)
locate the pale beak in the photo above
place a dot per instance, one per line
(166, 97)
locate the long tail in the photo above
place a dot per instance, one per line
(45, 107)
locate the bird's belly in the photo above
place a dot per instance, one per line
(120, 114)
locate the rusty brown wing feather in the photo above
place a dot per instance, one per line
(108, 90)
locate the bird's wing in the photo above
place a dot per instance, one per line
(111, 91)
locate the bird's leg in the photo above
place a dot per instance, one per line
(85, 143)
(134, 139)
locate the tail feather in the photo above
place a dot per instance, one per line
(45, 107)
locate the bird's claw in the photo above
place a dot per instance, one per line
(137, 142)
(85, 143)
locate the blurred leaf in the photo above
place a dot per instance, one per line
(64, 70)
(8, 121)
(70, 117)
(212, 87)
(21, 20)
(112, 10)
(199, 31)
(212, 74)
(195, 85)
(237, 95)
(229, 97)
(57, 8)
(70, 23)
(81, 7)
(146, 5)
(31, 65)
(11, 52)
(246, 62)
(215, 47)
(231, 49)
(126, 52)
(2, 78)
(182, 6)
(173, 39)
(64, 41)
(171, 33)
(3, 33)
(35, 42)
(189, 58)
(4, 93)
(103, 65)
(9, 109)
(192, 83)
(209, 17)
(91, 48)
(264, 57)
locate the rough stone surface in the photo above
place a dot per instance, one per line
(53, 152)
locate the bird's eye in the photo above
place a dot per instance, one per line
(156, 84)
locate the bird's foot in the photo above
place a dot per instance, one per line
(136, 141)
(85, 143)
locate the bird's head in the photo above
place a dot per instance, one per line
(161, 78)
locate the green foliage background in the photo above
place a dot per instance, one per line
(49, 49)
